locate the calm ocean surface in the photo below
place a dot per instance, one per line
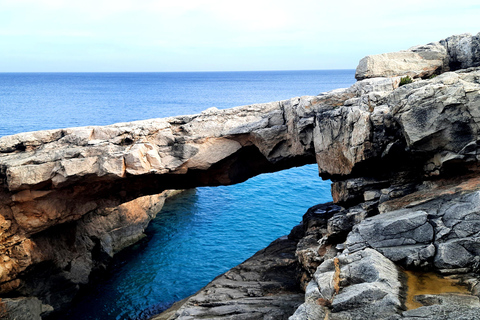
(200, 233)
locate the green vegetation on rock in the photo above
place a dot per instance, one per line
(405, 80)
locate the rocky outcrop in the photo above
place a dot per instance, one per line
(263, 287)
(373, 293)
(404, 166)
(71, 198)
(453, 53)
(23, 309)
(52, 264)
(439, 234)
(403, 161)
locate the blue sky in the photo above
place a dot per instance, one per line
(214, 35)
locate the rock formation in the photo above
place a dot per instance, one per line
(404, 166)
(453, 53)
(403, 161)
(90, 187)
(263, 287)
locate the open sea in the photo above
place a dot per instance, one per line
(202, 232)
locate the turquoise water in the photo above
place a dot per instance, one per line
(202, 232)
(199, 235)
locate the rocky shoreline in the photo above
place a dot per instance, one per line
(403, 160)
(416, 208)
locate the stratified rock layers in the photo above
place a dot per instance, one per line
(71, 198)
(263, 287)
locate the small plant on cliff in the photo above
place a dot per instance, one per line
(405, 80)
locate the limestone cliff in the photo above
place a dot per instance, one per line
(70, 198)
(404, 166)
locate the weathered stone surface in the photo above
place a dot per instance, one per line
(444, 306)
(453, 53)
(439, 114)
(319, 223)
(363, 285)
(409, 236)
(23, 309)
(463, 51)
(263, 287)
(64, 256)
(443, 233)
(400, 63)
(338, 153)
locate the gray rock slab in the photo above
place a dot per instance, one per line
(263, 287)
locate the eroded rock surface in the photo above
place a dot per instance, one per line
(362, 277)
(453, 53)
(52, 264)
(370, 288)
(406, 193)
(441, 233)
(23, 309)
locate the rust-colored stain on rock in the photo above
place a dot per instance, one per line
(419, 283)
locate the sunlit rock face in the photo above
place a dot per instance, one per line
(71, 198)
(423, 61)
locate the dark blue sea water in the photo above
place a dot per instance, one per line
(38, 101)
(200, 233)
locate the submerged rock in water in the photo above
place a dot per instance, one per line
(428, 288)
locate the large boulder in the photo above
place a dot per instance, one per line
(442, 233)
(363, 285)
(453, 53)
(399, 64)
(463, 51)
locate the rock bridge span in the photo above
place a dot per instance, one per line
(53, 176)
(96, 188)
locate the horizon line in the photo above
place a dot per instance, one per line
(218, 71)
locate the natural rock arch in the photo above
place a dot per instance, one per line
(70, 197)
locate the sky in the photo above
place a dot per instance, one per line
(218, 35)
